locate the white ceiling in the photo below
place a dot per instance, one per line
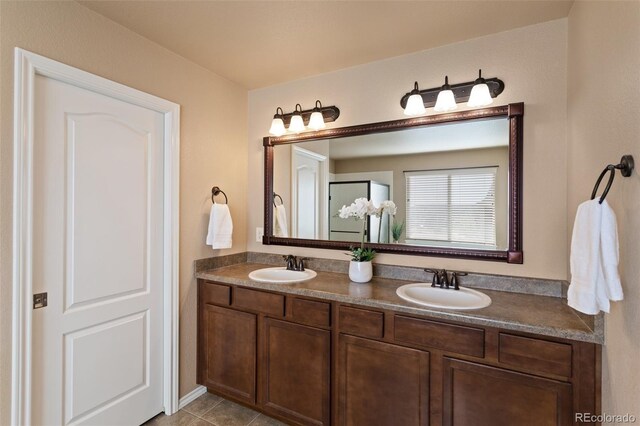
(262, 43)
(442, 138)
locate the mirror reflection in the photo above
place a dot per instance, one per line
(449, 184)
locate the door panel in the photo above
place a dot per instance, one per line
(307, 181)
(97, 146)
(381, 384)
(229, 351)
(98, 227)
(479, 395)
(123, 367)
(296, 371)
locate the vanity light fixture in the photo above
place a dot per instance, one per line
(296, 121)
(296, 125)
(277, 124)
(473, 92)
(446, 99)
(316, 121)
(415, 103)
(480, 95)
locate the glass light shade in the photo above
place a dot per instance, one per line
(415, 105)
(316, 122)
(296, 125)
(277, 127)
(446, 101)
(480, 96)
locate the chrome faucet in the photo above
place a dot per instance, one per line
(441, 278)
(294, 263)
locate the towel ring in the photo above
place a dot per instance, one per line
(217, 191)
(625, 166)
(612, 174)
(274, 199)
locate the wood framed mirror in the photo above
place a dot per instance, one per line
(456, 179)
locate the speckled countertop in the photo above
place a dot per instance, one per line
(544, 315)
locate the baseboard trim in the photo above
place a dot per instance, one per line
(191, 396)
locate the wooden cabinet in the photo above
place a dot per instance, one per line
(381, 384)
(479, 395)
(313, 362)
(295, 371)
(289, 375)
(228, 352)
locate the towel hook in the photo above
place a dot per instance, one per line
(274, 199)
(625, 166)
(217, 191)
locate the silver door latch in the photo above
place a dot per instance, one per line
(39, 300)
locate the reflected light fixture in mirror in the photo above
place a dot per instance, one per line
(277, 124)
(480, 95)
(316, 121)
(297, 124)
(446, 99)
(415, 104)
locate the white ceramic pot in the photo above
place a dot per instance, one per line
(360, 272)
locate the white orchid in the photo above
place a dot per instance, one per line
(388, 207)
(360, 208)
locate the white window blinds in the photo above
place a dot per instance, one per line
(452, 206)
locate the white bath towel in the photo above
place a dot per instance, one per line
(594, 259)
(281, 226)
(220, 227)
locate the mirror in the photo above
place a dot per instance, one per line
(454, 180)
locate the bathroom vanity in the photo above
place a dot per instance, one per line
(328, 351)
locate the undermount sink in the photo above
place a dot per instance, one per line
(281, 275)
(437, 297)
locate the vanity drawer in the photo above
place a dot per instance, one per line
(310, 312)
(361, 322)
(215, 294)
(535, 354)
(258, 301)
(448, 337)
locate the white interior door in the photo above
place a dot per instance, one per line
(307, 193)
(98, 253)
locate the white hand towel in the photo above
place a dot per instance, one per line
(594, 259)
(220, 227)
(282, 228)
(585, 258)
(610, 253)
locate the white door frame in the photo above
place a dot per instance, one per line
(322, 193)
(27, 66)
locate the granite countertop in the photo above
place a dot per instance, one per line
(544, 315)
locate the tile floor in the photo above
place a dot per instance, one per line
(210, 410)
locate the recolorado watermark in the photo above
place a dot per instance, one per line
(605, 418)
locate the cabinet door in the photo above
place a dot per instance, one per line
(228, 352)
(381, 384)
(478, 395)
(295, 372)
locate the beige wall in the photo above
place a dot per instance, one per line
(532, 63)
(604, 124)
(398, 164)
(213, 137)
